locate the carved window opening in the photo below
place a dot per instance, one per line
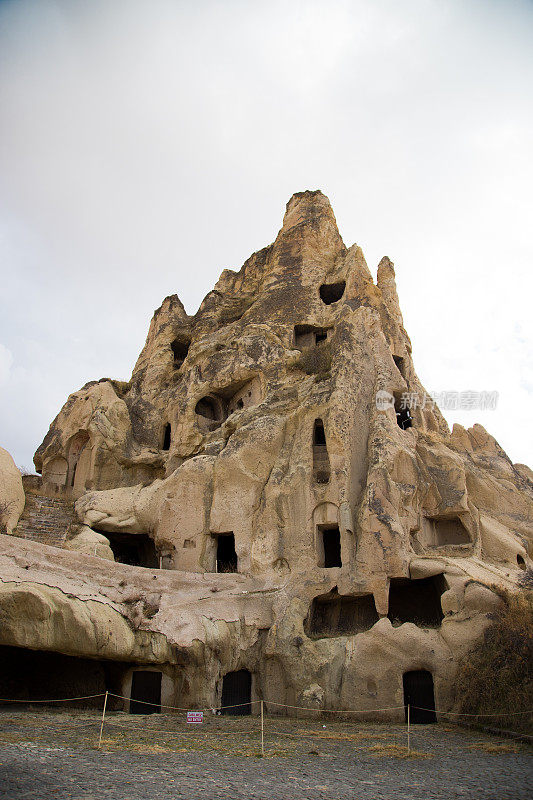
(319, 435)
(520, 561)
(417, 601)
(419, 695)
(310, 335)
(167, 436)
(332, 292)
(400, 364)
(145, 697)
(135, 549)
(340, 615)
(208, 408)
(329, 546)
(321, 465)
(403, 414)
(215, 408)
(237, 693)
(226, 555)
(180, 349)
(445, 532)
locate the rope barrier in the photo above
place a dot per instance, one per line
(312, 736)
(334, 711)
(460, 714)
(178, 708)
(57, 700)
(267, 702)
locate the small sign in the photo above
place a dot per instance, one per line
(195, 717)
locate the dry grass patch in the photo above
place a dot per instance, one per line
(337, 735)
(496, 677)
(395, 751)
(496, 747)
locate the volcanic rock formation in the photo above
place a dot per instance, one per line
(275, 507)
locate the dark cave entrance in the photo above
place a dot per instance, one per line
(211, 412)
(145, 697)
(206, 408)
(237, 693)
(226, 553)
(30, 675)
(319, 435)
(400, 365)
(403, 414)
(332, 292)
(417, 601)
(340, 615)
(418, 693)
(330, 546)
(167, 432)
(180, 348)
(321, 465)
(135, 549)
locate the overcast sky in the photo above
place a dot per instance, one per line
(146, 146)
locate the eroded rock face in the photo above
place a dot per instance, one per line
(248, 450)
(12, 496)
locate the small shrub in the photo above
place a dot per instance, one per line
(24, 471)
(121, 387)
(495, 680)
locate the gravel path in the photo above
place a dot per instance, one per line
(50, 755)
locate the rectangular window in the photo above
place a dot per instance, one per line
(329, 547)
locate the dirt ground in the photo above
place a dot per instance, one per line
(46, 753)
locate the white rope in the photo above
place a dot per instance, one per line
(178, 708)
(268, 702)
(460, 714)
(57, 700)
(334, 711)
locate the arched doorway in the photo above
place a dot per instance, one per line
(237, 693)
(79, 460)
(418, 693)
(211, 412)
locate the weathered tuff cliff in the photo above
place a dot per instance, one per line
(323, 543)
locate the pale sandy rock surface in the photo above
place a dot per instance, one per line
(12, 497)
(88, 541)
(364, 548)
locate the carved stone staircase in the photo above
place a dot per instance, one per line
(45, 519)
